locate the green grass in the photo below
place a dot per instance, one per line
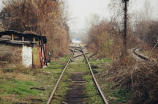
(54, 65)
(79, 65)
(20, 89)
(7, 70)
(63, 88)
(101, 64)
(60, 96)
(97, 61)
(92, 96)
(91, 91)
(47, 78)
(122, 95)
(113, 95)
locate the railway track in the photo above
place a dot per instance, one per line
(78, 82)
(140, 56)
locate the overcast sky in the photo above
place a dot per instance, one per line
(0, 5)
(82, 10)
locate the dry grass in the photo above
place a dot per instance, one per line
(1, 72)
(19, 76)
(126, 72)
(9, 97)
(104, 40)
(141, 78)
(0, 69)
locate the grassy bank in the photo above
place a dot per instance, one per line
(21, 85)
(113, 95)
(35, 85)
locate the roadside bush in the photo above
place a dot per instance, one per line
(141, 78)
(104, 40)
(126, 72)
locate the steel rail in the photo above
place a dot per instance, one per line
(140, 56)
(99, 89)
(55, 88)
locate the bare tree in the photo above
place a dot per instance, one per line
(46, 17)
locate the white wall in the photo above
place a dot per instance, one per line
(27, 56)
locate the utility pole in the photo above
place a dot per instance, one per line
(125, 24)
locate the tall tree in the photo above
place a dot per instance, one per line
(45, 17)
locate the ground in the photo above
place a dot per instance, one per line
(20, 85)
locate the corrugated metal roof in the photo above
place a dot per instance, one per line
(10, 32)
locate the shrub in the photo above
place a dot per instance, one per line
(141, 78)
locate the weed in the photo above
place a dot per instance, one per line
(63, 86)
(92, 96)
(14, 83)
(91, 91)
(21, 88)
(113, 95)
(104, 60)
(140, 78)
(7, 70)
(122, 95)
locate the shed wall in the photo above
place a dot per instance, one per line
(27, 56)
(36, 58)
(10, 53)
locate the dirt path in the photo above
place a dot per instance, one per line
(76, 93)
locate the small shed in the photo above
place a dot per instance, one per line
(22, 48)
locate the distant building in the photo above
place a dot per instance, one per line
(24, 49)
(76, 41)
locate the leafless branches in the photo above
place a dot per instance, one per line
(46, 17)
(126, 72)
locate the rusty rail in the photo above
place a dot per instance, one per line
(140, 56)
(79, 55)
(55, 88)
(97, 85)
